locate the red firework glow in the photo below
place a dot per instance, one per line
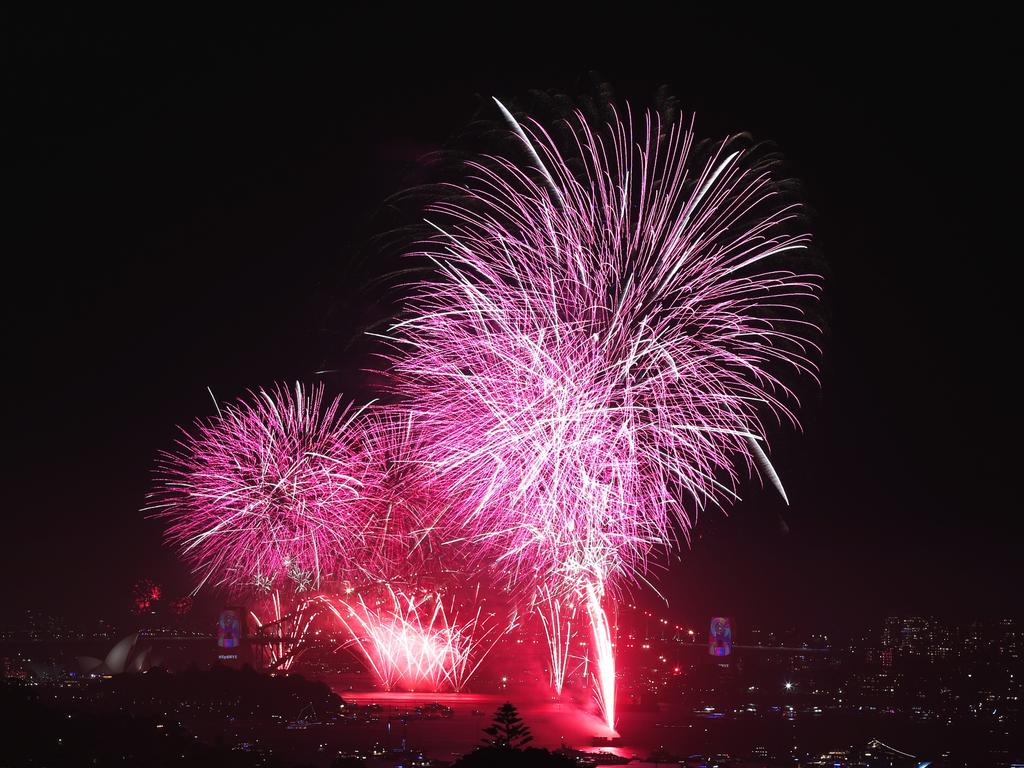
(182, 606)
(146, 593)
(413, 642)
(400, 624)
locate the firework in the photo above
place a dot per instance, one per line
(411, 640)
(266, 491)
(281, 633)
(401, 505)
(397, 617)
(604, 655)
(558, 620)
(182, 606)
(145, 594)
(596, 356)
(331, 504)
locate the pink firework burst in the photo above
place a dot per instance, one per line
(594, 360)
(268, 489)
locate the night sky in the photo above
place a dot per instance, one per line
(194, 203)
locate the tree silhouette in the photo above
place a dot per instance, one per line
(507, 730)
(504, 746)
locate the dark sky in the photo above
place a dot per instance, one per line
(190, 199)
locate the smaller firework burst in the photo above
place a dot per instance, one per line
(146, 593)
(265, 492)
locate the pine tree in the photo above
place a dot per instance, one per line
(507, 730)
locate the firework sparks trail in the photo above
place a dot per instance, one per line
(596, 356)
(408, 634)
(604, 655)
(401, 504)
(267, 489)
(414, 642)
(557, 616)
(288, 630)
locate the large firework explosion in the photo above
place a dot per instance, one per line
(594, 358)
(266, 492)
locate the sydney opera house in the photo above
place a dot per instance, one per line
(126, 657)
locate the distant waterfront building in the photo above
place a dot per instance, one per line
(874, 753)
(12, 669)
(40, 625)
(124, 657)
(917, 636)
(1008, 639)
(885, 658)
(880, 684)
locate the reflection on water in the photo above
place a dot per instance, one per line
(576, 724)
(554, 722)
